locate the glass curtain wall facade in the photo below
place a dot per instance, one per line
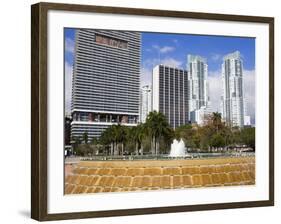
(106, 80)
(170, 88)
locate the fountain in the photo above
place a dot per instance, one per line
(178, 149)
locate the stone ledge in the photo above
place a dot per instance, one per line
(119, 176)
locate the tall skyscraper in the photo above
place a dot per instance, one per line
(170, 87)
(145, 102)
(233, 96)
(106, 82)
(198, 94)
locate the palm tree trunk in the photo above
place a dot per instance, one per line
(115, 149)
(151, 146)
(141, 149)
(111, 149)
(137, 148)
(156, 147)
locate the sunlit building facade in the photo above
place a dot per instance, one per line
(198, 91)
(170, 94)
(145, 102)
(233, 96)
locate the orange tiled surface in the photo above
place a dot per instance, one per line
(117, 176)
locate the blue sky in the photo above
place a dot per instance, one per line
(69, 42)
(177, 46)
(172, 49)
(210, 47)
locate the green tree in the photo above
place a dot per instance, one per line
(94, 141)
(248, 137)
(136, 135)
(157, 127)
(122, 137)
(115, 136)
(184, 132)
(76, 141)
(85, 150)
(85, 137)
(217, 140)
(141, 135)
(107, 139)
(216, 121)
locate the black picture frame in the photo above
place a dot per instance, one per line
(39, 108)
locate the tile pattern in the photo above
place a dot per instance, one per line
(118, 176)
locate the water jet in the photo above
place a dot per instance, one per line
(178, 148)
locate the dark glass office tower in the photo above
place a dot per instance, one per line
(170, 94)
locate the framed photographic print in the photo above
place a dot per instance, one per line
(139, 111)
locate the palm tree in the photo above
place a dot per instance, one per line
(117, 136)
(216, 119)
(141, 134)
(157, 126)
(106, 139)
(76, 141)
(133, 136)
(85, 137)
(122, 137)
(113, 136)
(169, 135)
(136, 135)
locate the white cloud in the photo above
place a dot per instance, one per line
(68, 70)
(215, 90)
(146, 76)
(166, 49)
(216, 57)
(171, 62)
(163, 50)
(149, 64)
(69, 45)
(249, 92)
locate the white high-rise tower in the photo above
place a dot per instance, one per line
(146, 102)
(198, 94)
(233, 96)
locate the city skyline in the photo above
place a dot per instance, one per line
(172, 50)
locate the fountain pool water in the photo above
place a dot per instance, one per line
(177, 148)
